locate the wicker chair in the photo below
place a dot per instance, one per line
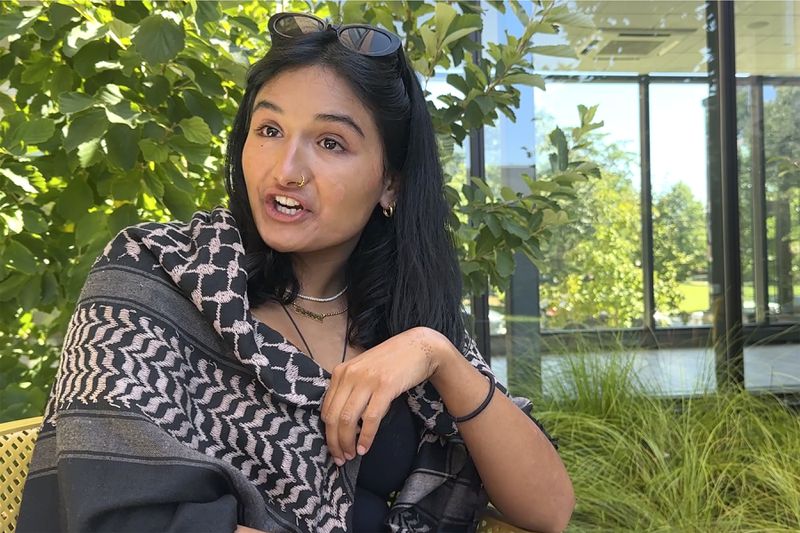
(16, 445)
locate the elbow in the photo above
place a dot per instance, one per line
(562, 512)
(557, 517)
(562, 516)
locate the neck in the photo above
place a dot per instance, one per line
(320, 277)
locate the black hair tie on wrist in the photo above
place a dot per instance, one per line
(482, 406)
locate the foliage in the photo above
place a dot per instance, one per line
(782, 161)
(507, 221)
(788, 170)
(679, 234)
(593, 273)
(115, 113)
(641, 463)
(782, 153)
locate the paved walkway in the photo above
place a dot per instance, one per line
(686, 371)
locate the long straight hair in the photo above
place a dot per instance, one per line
(404, 271)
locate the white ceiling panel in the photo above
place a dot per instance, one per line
(669, 36)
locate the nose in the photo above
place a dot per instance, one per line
(289, 167)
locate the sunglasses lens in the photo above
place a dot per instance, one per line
(366, 41)
(297, 25)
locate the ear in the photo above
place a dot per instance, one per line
(389, 194)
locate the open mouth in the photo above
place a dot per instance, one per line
(287, 206)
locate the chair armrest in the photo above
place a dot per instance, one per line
(492, 521)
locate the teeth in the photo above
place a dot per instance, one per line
(288, 202)
(287, 210)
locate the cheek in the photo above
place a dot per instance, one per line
(250, 166)
(249, 152)
(338, 193)
(251, 160)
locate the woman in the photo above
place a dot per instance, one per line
(297, 362)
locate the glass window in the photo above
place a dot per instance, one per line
(782, 166)
(592, 274)
(679, 169)
(768, 62)
(592, 277)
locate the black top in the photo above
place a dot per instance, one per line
(385, 467)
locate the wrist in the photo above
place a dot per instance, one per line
(443, 355)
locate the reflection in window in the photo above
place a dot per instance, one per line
(782, 162)
(747, 141)
(768, 112)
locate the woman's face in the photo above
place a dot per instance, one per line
(307, 123)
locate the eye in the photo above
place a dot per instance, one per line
(331, 144)
(267, 131)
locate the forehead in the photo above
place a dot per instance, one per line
(314, 90)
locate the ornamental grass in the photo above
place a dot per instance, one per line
(643, 462)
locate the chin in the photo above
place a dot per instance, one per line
(281, 246)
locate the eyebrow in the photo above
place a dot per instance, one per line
(325, 117)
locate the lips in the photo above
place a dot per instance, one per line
(285, 208)
(286, 205)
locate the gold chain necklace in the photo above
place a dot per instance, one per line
(319, 317)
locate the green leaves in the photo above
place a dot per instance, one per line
(16, 22)
(195, 130)
(156, 90)
(88, 126)
(91, 228)
(506, 221)
(158, 40)
(34, 131)
(107, 121)
(72, 102)
(75, 200)
(119, 113)
(525, 78)
(19, 258)
(153, 151)
(122, 145)
(90, 153)
(179, 202)
(34, 221)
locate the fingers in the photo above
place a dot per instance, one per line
(341, 414)
(341, 423)
(373, 414)
(348, 401)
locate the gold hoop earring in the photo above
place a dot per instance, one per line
(388, 212)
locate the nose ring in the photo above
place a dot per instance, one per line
(302, 182)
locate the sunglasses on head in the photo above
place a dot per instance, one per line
(361, 38)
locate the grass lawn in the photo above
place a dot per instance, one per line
(695, 296)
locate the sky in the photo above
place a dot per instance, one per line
(678, 142)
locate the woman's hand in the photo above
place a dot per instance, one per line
(363, 388)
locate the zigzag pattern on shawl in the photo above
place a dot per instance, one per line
(203, 258)
(276, 440)
(118, 357)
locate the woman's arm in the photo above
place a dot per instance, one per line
(519, 467)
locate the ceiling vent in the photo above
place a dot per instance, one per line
(630, 43)
(638, 47)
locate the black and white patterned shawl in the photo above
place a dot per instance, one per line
(175, 410)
